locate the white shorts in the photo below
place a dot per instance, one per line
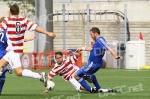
(13, 59)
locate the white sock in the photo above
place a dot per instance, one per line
(1, 73)
(29, 73)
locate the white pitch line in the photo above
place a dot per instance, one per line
(125, 77)
(13, 75)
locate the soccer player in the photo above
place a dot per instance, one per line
(95, 61)
(65, 67)
(3, 44)
(16, 27)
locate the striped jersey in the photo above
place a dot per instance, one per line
(16, 27)
(66, 69)
(98, 50)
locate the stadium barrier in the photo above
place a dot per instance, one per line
(43, 60)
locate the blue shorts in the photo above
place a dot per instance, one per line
(89, 69)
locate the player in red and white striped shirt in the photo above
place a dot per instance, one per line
(66, 67)
(16, 27)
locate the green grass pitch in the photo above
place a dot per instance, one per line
(131, 84)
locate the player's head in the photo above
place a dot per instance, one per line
(94, 32)
(1, 19)
(59, 57)
(14, 9)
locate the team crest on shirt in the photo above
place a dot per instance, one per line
(18, 27)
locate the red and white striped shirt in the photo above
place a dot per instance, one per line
(66, 69)
(16, 27)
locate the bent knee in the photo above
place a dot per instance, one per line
(76, 76)
(18, 72)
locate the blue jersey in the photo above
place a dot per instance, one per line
(3, 43)
(95, 59)
(98, 50)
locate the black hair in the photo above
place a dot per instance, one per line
(95, 30)
(14, 9)
(58, 53)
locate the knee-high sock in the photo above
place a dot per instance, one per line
(4, 70)
(29, 73)
(95, 82)
(84, 84)
(1, 73)
(1, 85)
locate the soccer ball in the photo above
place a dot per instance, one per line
(50, 85)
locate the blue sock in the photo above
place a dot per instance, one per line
(4, 70)
(95, 82)
(1, 85)
(84, 84)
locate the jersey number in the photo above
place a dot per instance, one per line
(18, 27)
(1, 37)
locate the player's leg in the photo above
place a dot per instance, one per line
(2, 81)
(3, 63)
(95, 82)
(97, 85)
(7, 69)
(76, 84)
(87, 78)
(95, 68)
(89, 69)
(28, 73)
(15, 62)
(78, 76)
(4, 70)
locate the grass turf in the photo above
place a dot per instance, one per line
(130, 84)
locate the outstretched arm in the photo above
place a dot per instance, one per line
(40, 30)
(114, 54)
(50, 77)
(30, 38)
(84, 49)
(77, 54)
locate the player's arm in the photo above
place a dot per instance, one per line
(113, 53)
(106, 47)
(50, 77)
(40, 30)
(30, 38)
(32, 26)
(85, 49)
(3, 24)
(76, 53)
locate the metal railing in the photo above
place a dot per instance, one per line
(71, 1)
(94, 15)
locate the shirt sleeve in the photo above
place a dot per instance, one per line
(3, 25)
(73, 59)
(103, 43)
(52, 73)
(30, 25)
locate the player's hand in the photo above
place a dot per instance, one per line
(45, 91)
(69, 52)
(118, 57)
(79, 50)
(32, 37)
(52, 35)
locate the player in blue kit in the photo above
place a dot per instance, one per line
(3, 45)
(95, 61)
